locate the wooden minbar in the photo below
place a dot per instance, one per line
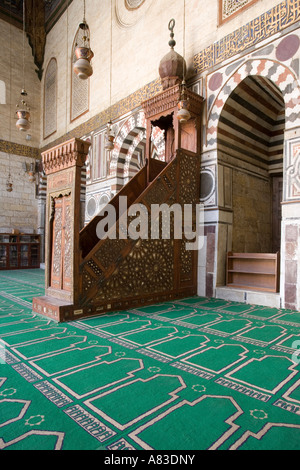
(89, 272)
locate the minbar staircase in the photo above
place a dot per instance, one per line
(86, 275)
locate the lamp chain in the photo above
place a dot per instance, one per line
(111, 52)
(23, 44)
(184, 65)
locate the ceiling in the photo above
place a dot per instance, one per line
(12, 10)
(40, 17)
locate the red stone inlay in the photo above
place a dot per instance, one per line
(287, 48)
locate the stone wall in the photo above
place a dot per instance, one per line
(252, 214)
(290, 247)
(18, 209)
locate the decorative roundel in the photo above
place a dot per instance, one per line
(133, 4)
(104, 200)
(207, 185)
(130, 12)
(91, 207)
(288, 47)
(215, 81)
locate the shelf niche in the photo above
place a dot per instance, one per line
(253, 271)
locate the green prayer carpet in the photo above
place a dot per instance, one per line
(195, 374)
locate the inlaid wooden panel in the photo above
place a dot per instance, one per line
(61, 259)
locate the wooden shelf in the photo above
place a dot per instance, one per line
(253, 271)
(20, 251)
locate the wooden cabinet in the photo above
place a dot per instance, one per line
(253, 271)
(19, 251)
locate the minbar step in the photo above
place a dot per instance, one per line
(55, 309)
(62, 311)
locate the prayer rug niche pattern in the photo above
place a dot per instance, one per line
(188, 375)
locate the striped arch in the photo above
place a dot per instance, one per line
(129, 153)
(277, 73)
(133, 151)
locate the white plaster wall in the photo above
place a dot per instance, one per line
(13, 79)
(136, 50)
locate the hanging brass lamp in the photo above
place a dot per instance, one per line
(23, 113)
(110, 137)
(23, 110)
(183, 114)
(82, 67)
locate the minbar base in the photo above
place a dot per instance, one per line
(52, 308)
(62, 311)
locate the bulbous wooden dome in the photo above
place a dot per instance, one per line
(172, 65)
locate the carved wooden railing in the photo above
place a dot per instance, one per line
(132, 190)
(122, 272)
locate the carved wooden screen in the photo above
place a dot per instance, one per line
(61, 244)
(50, 104)
(2, 92)
(230, 8)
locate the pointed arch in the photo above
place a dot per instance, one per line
(283, 77)
(252, 122)
(129, 154)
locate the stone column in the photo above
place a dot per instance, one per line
(290, 244)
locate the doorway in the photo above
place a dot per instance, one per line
(250, 145)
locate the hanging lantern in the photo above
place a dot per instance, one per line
(83, 52)
(110, 137)
(183, 114)
(31, 173)
(23, 113)
(23, 110)
(23, 123)
(82, 66)
(9, 185)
